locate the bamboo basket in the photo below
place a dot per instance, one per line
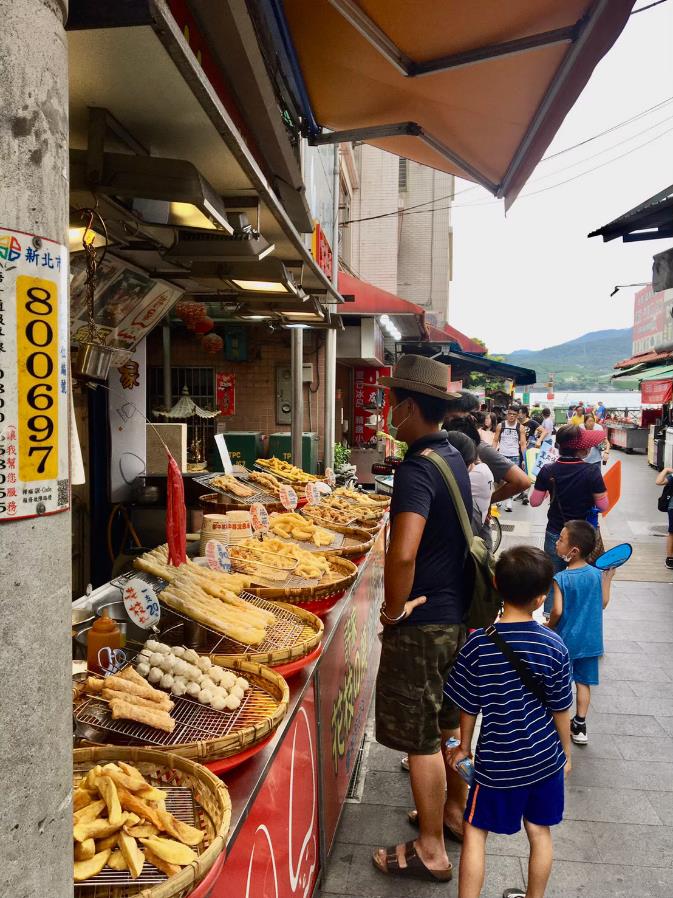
(364, 540)
(166, 769)
(375, 497)
(301, 594)
(309, 639)
(263, 712)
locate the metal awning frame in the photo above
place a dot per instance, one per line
(576, 35)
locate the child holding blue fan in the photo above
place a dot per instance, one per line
(581, 593)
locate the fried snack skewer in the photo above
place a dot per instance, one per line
(160, 720)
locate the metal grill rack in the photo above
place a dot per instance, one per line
(193, 721)
(337, 542)
(258, 496)
(179, 802)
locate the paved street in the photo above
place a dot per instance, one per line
(617, 838)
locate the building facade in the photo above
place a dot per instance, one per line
(652, 320)
(396, 227)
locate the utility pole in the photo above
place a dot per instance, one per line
(35, 553)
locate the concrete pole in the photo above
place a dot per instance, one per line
(35, 571)
(297, 418)
(330, 341)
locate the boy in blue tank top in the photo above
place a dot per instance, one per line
(581, 593)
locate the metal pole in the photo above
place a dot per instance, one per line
(297, 419)
(35, 568)
(330, 342)
(166, 347)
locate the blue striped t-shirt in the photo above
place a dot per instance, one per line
(518, 744)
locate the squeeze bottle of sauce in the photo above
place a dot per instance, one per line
(104, 633)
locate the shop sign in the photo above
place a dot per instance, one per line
(347, 676)
(288, 497)
(259, 517)
(276, 852)
(217, 556)
(127, 305)
(656, 392)
(365, 395)
(34, 405)
(321, 250)
(141, 603)
(225, 393)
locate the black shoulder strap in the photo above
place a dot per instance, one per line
(519, 666)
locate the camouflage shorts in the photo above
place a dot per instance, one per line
(411, 709)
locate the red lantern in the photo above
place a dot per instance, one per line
(212, 344)
(182, 309)
(203, 325)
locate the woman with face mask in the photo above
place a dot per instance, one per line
(574, 489)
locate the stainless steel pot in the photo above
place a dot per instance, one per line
(93, 361)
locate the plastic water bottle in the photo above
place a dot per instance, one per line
(465, 768)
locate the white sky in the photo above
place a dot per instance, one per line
(533, 279)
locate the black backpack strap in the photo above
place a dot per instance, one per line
(519, 666)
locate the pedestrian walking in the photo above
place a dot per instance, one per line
(574, 488)
(509, 478)
(597, 454)
(510, 440)
(581, 594)
(426, 600)
(516, 674)
(665, 479)
(600, 412)
(544, 433)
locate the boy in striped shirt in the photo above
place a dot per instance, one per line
(523, 750)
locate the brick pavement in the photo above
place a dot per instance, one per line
(617, 838)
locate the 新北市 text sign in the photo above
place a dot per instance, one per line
(34, 372)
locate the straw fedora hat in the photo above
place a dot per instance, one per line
(420, 375)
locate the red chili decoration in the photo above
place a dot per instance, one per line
(176, 514)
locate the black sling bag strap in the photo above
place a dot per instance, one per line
(519, 666)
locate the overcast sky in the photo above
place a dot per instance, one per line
(533, 279)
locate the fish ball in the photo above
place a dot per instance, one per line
(179, 651)
(191, 656)
(163, 648)
(204, 663)
(218, 703)
(143, 669)
(193, 673)
(242, 683)
(166, 681)
(215, 674)
(193, 689)
(151, 645)
(168, 662)
(179, 686)
(205, 696)
(238, 692)
(155, 674)
(232, 702)
(228, 680)
(181, 668)
(155, 659)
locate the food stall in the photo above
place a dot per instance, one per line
(626, 434)
(288, 751)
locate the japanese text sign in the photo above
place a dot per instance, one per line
(217, 556)
(141, 603)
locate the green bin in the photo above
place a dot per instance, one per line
(245, 447)
(280, 446)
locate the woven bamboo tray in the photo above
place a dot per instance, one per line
(299, 595)
(258, 716)
(165, 770)
(356, 542)
(305, 642)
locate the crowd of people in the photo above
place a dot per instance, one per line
(435, 679)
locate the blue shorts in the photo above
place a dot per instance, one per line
(670, 519)
(501, 810)
(585, 671)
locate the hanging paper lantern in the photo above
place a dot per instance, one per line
(182, 309)
(203, 325)
(212, 343)
(191, 312)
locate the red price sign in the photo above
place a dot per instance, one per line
(259, 517)
(288, 497)
(141, 603)
(217, 556)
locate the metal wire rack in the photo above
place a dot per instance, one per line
(179, 802)
(259, 495)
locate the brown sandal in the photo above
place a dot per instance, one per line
(449, 833)
(415, 867)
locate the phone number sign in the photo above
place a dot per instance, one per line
(34, 410)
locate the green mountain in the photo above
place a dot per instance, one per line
(586, 362)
